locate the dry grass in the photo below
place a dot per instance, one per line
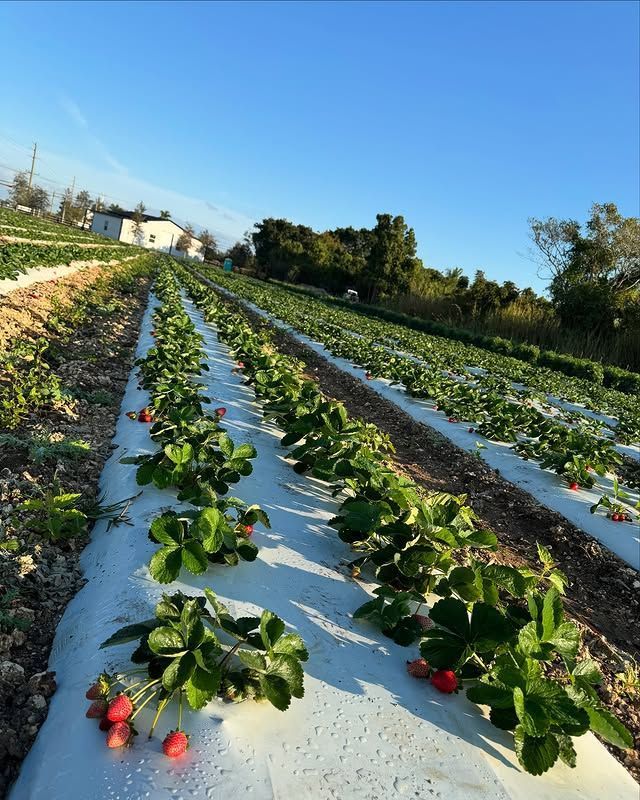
(522, 323)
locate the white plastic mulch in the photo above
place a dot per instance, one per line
(623, 539)
(365, 730)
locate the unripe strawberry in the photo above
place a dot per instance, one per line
(175, 743)
(419, 668)
(120, 708)
(119, 735)
(445, 681)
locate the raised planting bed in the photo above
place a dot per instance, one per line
(53, 446)
(363, 727)
(587, 494)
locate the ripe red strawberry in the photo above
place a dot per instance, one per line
(97, 709)
(105, 724)
(248, 529)
(425, 622)
(241, 364)
(120, 708)
(153, 333)
(119, 735)
(221, 411)
(175, 743)
(368, 376)
(99, 689)
(615, 517)
(145, 415)
(444, 680)
(472, 430)
(419, 668)
(573, 486)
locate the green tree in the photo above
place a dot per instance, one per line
(594, 273)
(241, 253)
(209, 244)
(185, 239)
(138, 217)
(392, 261)
(21, 194)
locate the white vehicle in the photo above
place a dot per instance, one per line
(351, 295)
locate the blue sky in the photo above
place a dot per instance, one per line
(467, 118)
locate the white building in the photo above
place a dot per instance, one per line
(156, 234)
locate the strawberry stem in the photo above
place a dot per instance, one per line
(161, 706)
(144, 689)
(230, 653)
(142, 705)
(180, 711)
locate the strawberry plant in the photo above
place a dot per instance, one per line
(391, 612)
(194, 652)
(498, 629)
(617, 505)
(193, 539)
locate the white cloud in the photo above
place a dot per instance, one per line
(72, 109)
(75, 113)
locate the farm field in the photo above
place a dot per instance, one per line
(515, 416)
(301, 567)
(66, 339)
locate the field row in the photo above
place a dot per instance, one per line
(21, 225)
(518, 430)
(358, 694)
(65, 353)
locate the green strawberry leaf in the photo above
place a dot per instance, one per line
(178, 672)
(291, 644)
(537, 754)
(167, 529)
(194, 557)
(252, 659)
(130, 633)
(165, 564)
(276, 690)
(166, 641)
(271, 629)
(202, 687)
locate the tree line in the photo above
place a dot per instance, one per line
(593, 270)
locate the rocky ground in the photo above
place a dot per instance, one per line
(602, 597)
(64, 447)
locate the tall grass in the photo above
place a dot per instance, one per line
(522, 322)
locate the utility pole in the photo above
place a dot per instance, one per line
(53, 197)
(33, 162)
(64, 204)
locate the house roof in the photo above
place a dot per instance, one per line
(145, 218)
